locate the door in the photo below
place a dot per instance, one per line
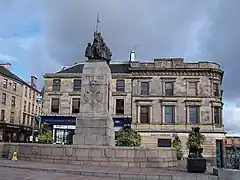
(219, 153)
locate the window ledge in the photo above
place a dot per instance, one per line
(55, 93)
(75, 93)
(119, 93)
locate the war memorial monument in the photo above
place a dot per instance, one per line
(94, 140)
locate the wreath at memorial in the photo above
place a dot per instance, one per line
(128, 137)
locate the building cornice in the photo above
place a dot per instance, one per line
(141, 72)
(63, 75)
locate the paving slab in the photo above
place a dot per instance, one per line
(108, 172)
(23, 174)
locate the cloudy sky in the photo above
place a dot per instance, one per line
(42, 36)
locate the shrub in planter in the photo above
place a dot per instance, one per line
(128, 137)
(195, 161)
(177, 145)
(45, 136)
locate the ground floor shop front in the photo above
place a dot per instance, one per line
(14, 133)
(213, 148)
(63, 127)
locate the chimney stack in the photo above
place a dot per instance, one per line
(34, 81)
(6, 66)
(132, 56)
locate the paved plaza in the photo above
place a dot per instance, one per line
(47, 171)
(23, 174)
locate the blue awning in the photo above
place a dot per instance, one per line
(121, 121)
(69, 120)
(59, 120)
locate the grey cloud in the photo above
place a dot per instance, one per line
(165, 28)
(223, 42)
(34, 58)
(159, 28)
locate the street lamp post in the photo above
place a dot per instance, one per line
(39, 102)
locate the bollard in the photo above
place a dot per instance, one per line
(9, 155)
(14, 158)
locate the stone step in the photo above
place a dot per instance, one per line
(103, 172)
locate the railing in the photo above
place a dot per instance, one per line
(232, 160)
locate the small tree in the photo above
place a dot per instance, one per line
(177, 145)
(195, 142)
(45, 136)
(128, 137)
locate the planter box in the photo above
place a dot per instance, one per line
(197, 165)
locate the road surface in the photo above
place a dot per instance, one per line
(21, 174)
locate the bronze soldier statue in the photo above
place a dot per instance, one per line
(88, 52)
(98, 50)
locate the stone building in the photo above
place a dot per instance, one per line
(231, 141)
(161, 99)
(18, 106)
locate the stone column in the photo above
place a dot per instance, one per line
(138, 114)
(151, 114)
(94, 124)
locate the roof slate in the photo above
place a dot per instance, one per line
(13, 76)
(115, 68)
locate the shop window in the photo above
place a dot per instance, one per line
(28, 120)
(75, 105)
(31, 121)
(2, 115)
(144, 114)
(120, 85)
(119, 106)
(164, 143)
(24, 119)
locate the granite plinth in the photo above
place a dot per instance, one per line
(94, 125)
(92, 155)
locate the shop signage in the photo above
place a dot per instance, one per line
(12, 126)
(64, 127)
(160, 134)
(27, 129)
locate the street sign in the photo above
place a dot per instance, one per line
(38, 118)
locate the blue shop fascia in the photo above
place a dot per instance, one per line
(63, 125)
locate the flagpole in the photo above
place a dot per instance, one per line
(98, 21)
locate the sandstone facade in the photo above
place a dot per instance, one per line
(18, 102)
(207, 96)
